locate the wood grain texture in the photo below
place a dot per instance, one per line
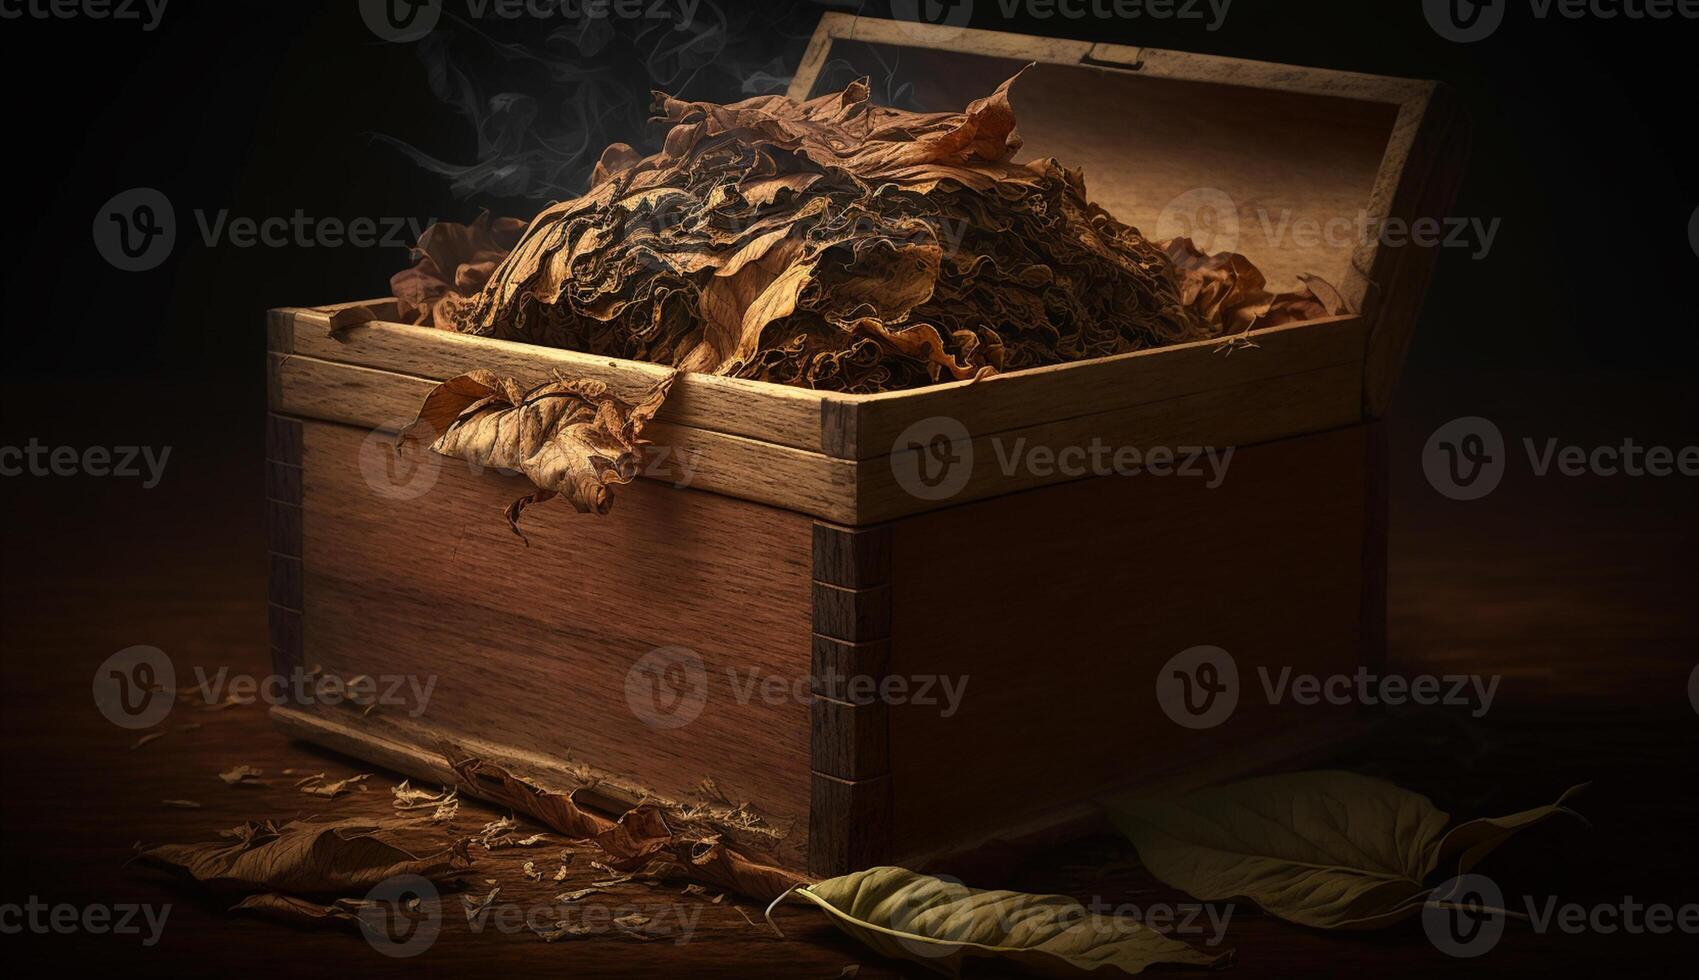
(780, 414)
(1077, 594)
(850, 828)
(1008, 402)
(679, 456)
(1238, 416)
(531, 649)
(850, 649)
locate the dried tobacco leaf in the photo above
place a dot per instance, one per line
(554, 810)
(644, 844)
(454, 263)
(641, 843)
(841, 245)
(940, 924)
(301, 858)
(1226, 289)
(574, 438)
(301, 911)
(318, 785)
(242, 776)
(1331, 850)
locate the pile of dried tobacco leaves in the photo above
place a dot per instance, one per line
(839, 245)
(833, 244)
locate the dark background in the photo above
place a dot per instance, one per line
(1582, 136)
(1579, 324)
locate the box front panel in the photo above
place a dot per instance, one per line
(658, 644)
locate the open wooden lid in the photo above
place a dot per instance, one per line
(1297, 168)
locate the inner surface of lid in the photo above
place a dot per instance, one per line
(1282, 177)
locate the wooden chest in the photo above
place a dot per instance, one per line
(853, 613)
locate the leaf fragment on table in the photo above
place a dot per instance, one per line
(301, 858)
(302, 911)
(941, 924)
(563, 930)
(1330, 849)
(145, 739)
(319, 785)
(182, 804)
(242, 776)
(570, 437)
(444, 804)
(567, 898)
(476, 906)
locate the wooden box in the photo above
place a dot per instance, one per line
(786, 539)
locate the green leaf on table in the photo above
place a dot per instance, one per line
(940, 924)
(1332, 850)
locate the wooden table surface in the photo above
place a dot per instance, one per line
(1577, 594)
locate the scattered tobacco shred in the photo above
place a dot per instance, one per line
(643, 843)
